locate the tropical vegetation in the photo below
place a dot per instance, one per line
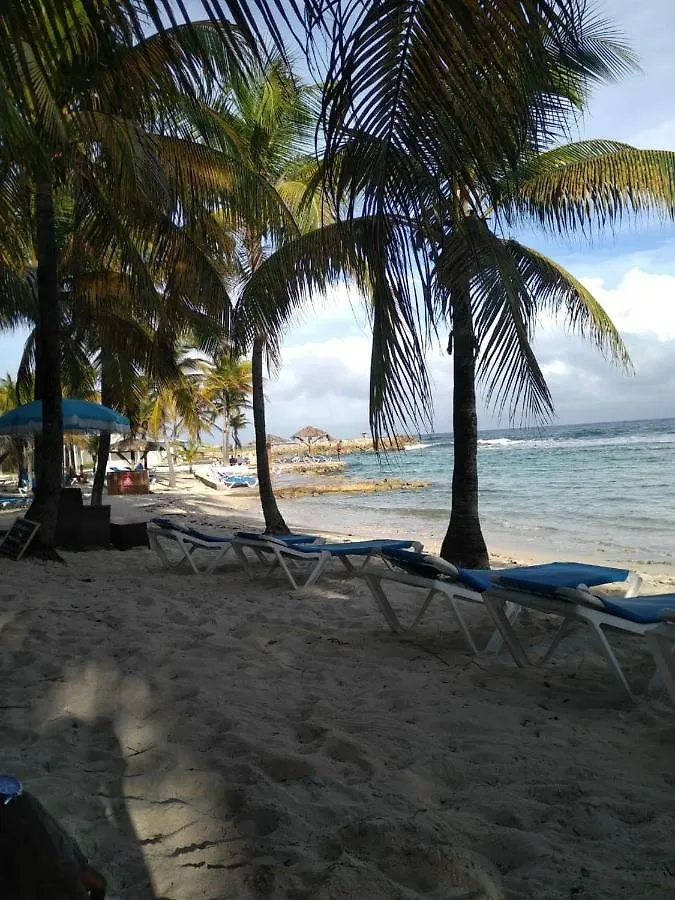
(167, 185)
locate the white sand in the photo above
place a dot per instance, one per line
(205, 737)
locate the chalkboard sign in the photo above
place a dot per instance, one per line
(18, 538)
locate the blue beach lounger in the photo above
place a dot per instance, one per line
(651, 617)
(440, 578)
(311, 557)
(162, 532)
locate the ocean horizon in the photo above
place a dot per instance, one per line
(596, 489)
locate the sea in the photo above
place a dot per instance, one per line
(603, 490)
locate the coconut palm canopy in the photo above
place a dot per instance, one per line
(311, 433)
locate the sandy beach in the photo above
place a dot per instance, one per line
(209, 737)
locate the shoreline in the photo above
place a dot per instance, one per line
(211, 509)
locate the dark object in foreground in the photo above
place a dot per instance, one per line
(125, 535)
(81, 527)
(38, 858)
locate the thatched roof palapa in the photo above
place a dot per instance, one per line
(275, 439)
(135, 445)
(310, 434)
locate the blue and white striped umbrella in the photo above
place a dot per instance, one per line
(78, 415)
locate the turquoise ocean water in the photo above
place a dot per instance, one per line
(564, 491)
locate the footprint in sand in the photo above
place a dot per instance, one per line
(343, 751)
(258, 821)
(400, 861)
(310, 735)
(286, 768)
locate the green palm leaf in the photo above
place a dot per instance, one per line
(590, 184)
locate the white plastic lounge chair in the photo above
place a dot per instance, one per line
(661, 641)
(643, 616)
(167, 531)
(311, 557)
(189, 540)
(440, 578)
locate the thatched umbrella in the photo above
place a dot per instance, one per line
(274, 439)
(310, 434)
(135, 445)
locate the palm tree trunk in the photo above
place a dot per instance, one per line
(464, 544)
(103, 452)
(226, 437)
(49, 447)
(274, 521)
(169, 460)
(102, 456)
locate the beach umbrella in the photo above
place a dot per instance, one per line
(78, 415)
(310, 434)
(274, 439)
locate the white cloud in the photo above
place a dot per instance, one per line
(324, 381)
(642, 303)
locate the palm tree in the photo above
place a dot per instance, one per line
(167, 410)
(226, 388)
(89, 92)
(12, 448)
(271, 118)
(493, 289)
(238, 421)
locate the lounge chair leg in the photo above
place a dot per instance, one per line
(423, 609)
(349, 565)
(240, 553)
(495, 607)
(220, 558)
(512, 612)
(383, 604)
(565, 627)
(289, 574)
(611, 658)
(318, 569)
(468, 640)
(662, 649)
(188, 551)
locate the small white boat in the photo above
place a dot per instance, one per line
(227, 478)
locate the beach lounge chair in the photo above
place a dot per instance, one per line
(651, 617)
(439, 578)
(189, 540)
(162, 532)
(309, 557)
(8, 501)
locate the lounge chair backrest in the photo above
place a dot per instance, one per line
(424, 564)
(580, 595)
(170, 525)
(263, 538)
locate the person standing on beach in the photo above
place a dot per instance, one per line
(338, 450)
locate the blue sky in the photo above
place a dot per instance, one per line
(324, 376)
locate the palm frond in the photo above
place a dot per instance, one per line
(511, 287)
(590, 185)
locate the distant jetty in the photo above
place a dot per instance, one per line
(307, 489)
(347, 445)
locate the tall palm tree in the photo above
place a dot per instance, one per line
(89, 93)
(166, 410)
(271, 118)
(493, 289)
(226, 388)
(12, 448)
